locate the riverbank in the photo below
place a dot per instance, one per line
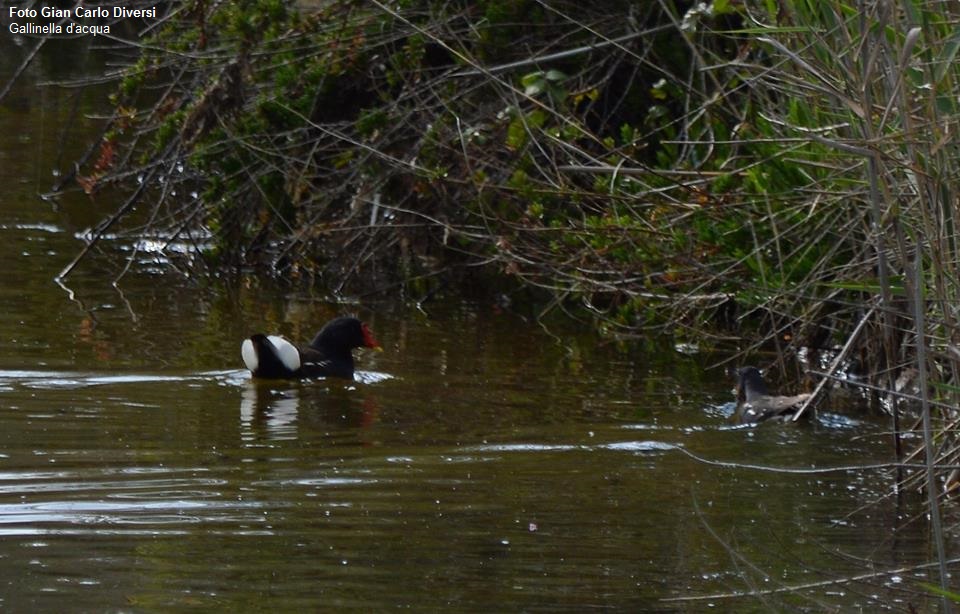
(688, 174)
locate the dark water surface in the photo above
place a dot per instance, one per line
(480, 463)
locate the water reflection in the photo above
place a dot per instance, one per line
(374, 478)
(273, 408)
(48, 380)
(640, 447)
(111, 500)
(268, 409)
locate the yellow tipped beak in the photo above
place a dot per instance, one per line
(377, 348)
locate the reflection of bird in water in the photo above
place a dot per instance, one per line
(328, 355)
(756, 404)
(277, 410)
(294, 410)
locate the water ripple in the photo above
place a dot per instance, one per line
(622, 446)
(66, 380)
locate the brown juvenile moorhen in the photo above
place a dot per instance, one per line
(756, 404)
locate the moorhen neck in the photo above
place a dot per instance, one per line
(328, 355)
(755, 404)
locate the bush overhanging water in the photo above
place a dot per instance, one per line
(783, 172)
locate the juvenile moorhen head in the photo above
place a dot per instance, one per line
(756, 404)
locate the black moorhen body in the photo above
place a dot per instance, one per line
(328, 355)
(755, 404)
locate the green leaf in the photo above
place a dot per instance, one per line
(722, 7)
(533, 83)
(531, 78)
(948, 52)
(555, 75)
(933, 588)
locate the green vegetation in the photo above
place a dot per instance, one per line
(775, 170)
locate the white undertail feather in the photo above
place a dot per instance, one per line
(286, 351)
(249, 355)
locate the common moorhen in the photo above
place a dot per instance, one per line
(328, 355)
(756, 404)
